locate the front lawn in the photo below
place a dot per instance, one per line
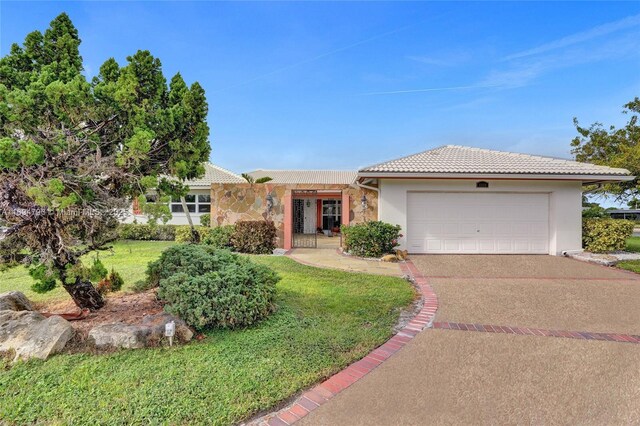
(325, 320)
(129, 258)
(633, 244)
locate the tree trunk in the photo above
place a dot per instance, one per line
(85, 295)
(195, 237)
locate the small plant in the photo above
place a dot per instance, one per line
(116, 281)
(604, 235)
(205, 220)
(45, 281)
(97, 271)
(254, 237)
(111, 283)
(370, 239)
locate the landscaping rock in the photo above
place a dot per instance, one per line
(119, 336)
(14, 301)
(156, 323)
(29, 334)
(134, 336)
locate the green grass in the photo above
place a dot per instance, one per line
(129, 258)
(633, 244)
(325, 320)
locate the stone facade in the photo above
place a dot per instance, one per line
(235, 202)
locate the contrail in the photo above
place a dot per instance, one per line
(323, 55)
(431, 89)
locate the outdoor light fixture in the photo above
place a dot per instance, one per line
(308, 203)
(170, 331)
(363, 201)
(269, 203)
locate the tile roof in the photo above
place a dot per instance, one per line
(466, 160)
(215, 174)
(326, 177)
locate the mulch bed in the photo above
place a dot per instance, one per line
(128, 308)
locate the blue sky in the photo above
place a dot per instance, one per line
(342, 85)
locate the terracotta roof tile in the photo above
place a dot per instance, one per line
(462, 159)
(324, 177)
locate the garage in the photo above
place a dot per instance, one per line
(465, 200)
(497, 223)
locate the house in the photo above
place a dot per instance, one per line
(629, 214)
(198, 201)
(451, 199)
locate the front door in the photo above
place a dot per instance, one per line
(304, 227)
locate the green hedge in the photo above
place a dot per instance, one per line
(139, 231)
(209, 287)
(254, 236)
(370, 239)
(218, 237)
(603, 235)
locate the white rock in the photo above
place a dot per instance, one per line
(118, 335)
(30, 335)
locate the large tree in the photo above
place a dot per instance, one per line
(614, 147)
(73, 153)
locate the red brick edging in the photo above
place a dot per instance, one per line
(320, 394)
(527, 331)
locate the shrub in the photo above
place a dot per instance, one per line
(370, 239)
(218, 237)
(208, 287)
(184, 234)
(188, 258)
(603, 235)
(205, 220)
(97, 271)
(254, 236)
(144, 232)
(112, 282)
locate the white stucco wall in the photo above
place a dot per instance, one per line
(177, 219)
(565, 204)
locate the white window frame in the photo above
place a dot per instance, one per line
(196, 203)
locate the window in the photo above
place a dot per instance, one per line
(195, 204)
(204, 203)
(331, 213)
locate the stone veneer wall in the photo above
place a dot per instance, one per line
(234, 202)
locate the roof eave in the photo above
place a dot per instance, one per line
(587, 178)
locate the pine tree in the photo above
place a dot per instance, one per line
(73, 152)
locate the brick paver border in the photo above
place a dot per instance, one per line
(528, 331)
(320, 394)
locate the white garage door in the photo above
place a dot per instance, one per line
(477, 223)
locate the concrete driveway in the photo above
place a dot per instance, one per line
(469, 377)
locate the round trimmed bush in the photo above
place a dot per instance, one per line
(370, 239)
(214, 288)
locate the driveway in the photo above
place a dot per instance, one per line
(470, 377)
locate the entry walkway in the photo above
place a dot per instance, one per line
(331, 258)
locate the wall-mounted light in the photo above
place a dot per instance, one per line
(269, 203)
(363, 202)
(308, 203)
